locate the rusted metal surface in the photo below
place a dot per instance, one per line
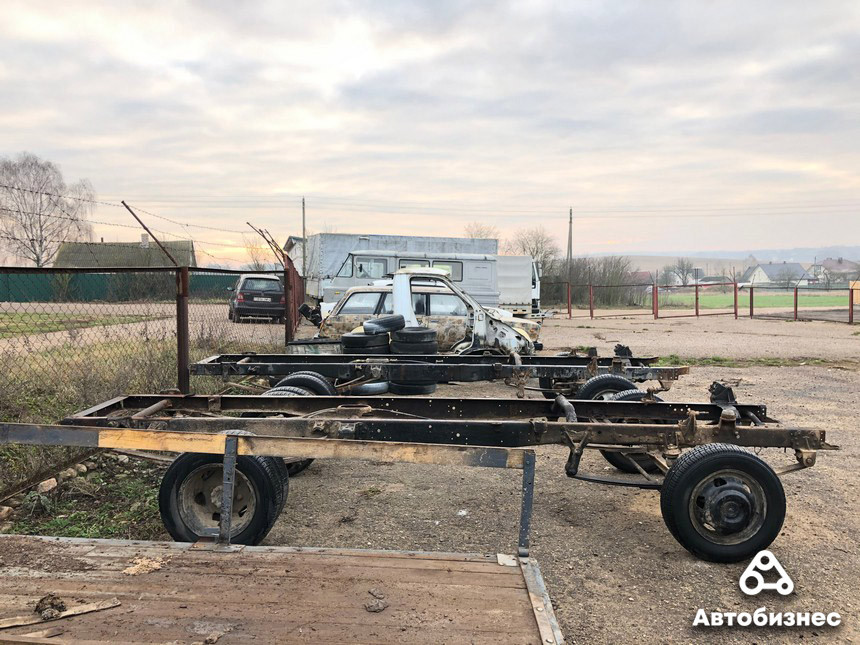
(431, 597)
(448, 368)
(183, 333)
(113, 410)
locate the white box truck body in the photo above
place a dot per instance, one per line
(327, 255)
(519, 284)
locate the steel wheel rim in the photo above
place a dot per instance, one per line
(199, 500)
(727, 507)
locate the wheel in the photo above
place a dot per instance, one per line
(288, 389)
(368, 389)
(414, 335)
(293, 467)
(722, 503)
(312, 381)
(411, 388)
(384, 324)
(400, 347)
(621, 462)
(189, 499)
(603, 386)
(354, 340)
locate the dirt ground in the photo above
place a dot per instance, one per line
(613, 571)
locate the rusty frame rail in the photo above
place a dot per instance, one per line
(440, 368)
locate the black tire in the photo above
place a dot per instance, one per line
(352, 351)
(621, 462)
(284, 390)
(399, 347)
(603, 386)
(261, 473)
(414, 335)
(355, 340)
(235, 317)
(312, 381)
(384, 324)
(368, 389)
(291, 468)
(745, 485)
(411, 388)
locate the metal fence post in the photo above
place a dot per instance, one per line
(736, 299)
(655, 303)
(752, 310)
(697, 300)
(591, 301)
(183, 336)
(288, 305)
(569, 312)
(795, 303)
(850, 305)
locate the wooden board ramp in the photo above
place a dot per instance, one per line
(172, 592)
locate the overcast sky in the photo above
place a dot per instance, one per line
(667, 126)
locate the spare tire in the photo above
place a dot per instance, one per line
(189, 502)
(312, 381)
(355, 351)
(414, 335)
(400, 347)
(411, 388)
(604, 386)
(384, 324)
(356, 340)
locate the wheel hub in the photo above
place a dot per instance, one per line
(200, 496)
(729, 508)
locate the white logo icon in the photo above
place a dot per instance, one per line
(752, 582)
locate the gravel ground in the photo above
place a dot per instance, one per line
(613, 571)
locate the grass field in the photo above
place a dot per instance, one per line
(24, 323)
(762, 300)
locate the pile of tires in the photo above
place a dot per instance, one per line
(373, 339)
(414, 341)
(360, 343)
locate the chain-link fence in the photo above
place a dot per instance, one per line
(73, 337)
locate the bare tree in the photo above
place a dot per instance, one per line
(785, 278)
(683, 269)
(258, 256)
(536, 242)
(666, 275)
(479, 230)
(39, 211)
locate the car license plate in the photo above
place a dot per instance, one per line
(262, 300)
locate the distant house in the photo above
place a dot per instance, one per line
(146, 253)
(639, 277)
(785, 274)
(836, 270)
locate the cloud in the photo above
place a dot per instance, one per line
(419, 116)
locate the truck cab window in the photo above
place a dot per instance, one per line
(443, 304)
(408, 264)
(454, 269)
(360, 303)
(370, 268)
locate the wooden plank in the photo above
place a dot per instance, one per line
(278, 594)
(305, 448)
(30, 619)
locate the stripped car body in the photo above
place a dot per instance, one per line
(428, 298)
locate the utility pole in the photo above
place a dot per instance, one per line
(304, 244)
